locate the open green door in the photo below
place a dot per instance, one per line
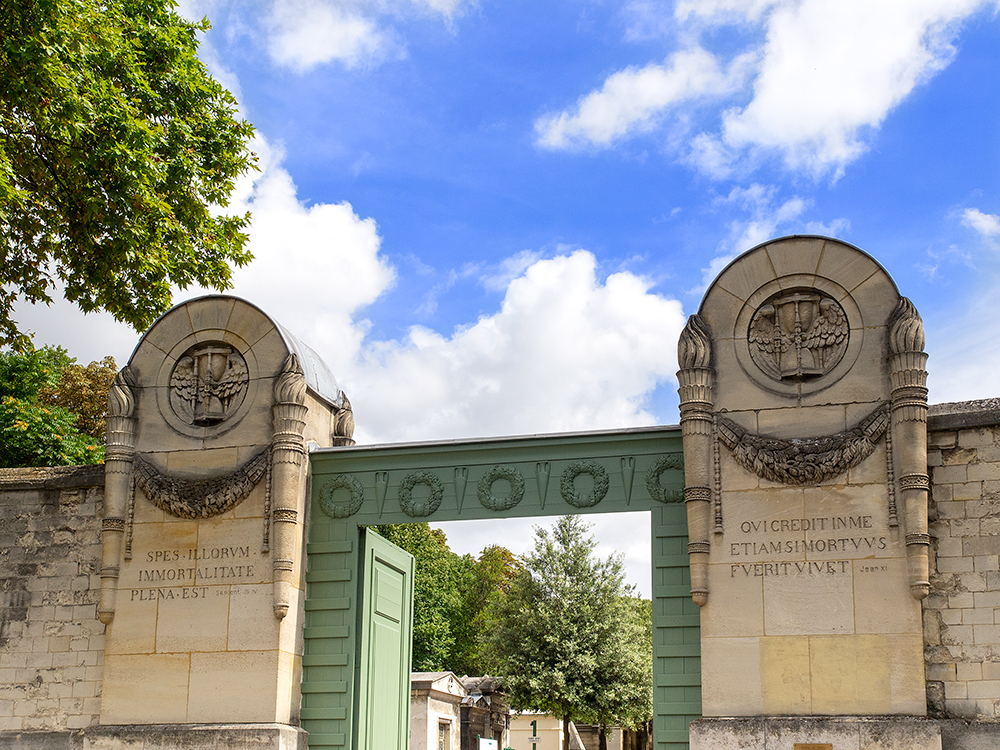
(385, 635)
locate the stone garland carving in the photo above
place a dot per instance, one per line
(200, 498)
(908, 378)
(657, 492)
(569, 492)
(208, 383)
(288, 451)
(485, 488)
(804, 461)
(422, 508)
(341, 510)
(798, 335)
(119, 453)
(695, 387)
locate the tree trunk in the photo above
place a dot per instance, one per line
(602, 734)
(566, 732)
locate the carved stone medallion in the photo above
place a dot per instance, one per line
(208, 384)
(798, 335)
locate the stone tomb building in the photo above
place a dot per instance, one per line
(838, 587)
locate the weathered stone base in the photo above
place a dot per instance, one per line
(969, 735)
(840, 733)
(163, 737)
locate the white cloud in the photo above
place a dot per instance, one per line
(825, 75)
(986, 225)
(632, 99)
(315, 267)
(831, 72)
(766, 213)
(564, 352)
(305, 33)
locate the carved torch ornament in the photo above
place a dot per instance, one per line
(695, 379)
(118, 458)
(908, 378)
(287, 455)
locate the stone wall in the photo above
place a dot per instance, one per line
(51, 642)
(962, 614)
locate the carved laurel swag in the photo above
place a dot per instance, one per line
(804, 461)
(200, 498)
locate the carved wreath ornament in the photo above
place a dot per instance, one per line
(805, 461)
(420, 508)
(567, 486)
(341, 482)
(653, 486)
(485, 488)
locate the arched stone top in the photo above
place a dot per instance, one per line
(245, 350)
(793, 317)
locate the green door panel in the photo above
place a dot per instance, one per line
(385, 637)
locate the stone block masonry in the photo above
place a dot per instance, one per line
(51, 642)
(962, 613)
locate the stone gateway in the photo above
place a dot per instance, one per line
(824, 543)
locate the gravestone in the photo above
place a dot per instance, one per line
(803, 411)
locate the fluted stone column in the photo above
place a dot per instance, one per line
(908, 374)
(288, 452)
(119, 452)
(694, 357)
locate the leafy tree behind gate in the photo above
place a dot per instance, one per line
(563, 627)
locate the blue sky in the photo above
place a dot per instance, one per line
(494, 217)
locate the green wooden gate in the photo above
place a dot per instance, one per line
(385, 639)
(589, 473)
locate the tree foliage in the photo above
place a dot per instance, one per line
(36, 432)
(440, 580)
(625, 670)
(114, 143)
(567, 636)
(455, 598)
(83, 390)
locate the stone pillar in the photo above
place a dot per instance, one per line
(817, 399)
(287, 454)
(694, 357)
(908, 374)
(119, 451)
(206, 485)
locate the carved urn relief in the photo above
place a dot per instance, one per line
(798, 335)
(208, 384)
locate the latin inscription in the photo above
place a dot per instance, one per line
(838, 534)
(179, 574)
(808, 567)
